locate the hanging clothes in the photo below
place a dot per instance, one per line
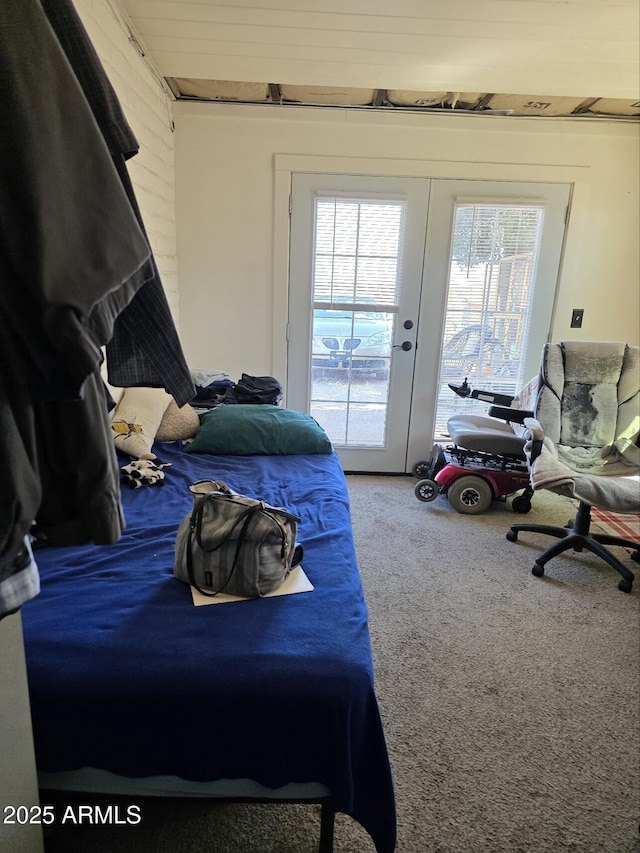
(73, 256)
(143, 348)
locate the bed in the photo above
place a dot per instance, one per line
(136, 690)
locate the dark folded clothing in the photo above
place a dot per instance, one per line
(255, 389)
(213, 393)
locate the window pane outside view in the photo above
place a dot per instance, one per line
(356, 280)
(490, 293)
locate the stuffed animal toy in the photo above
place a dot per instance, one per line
(144, 472)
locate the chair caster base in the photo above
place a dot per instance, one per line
(537, 570)
(625, 585)
(512, 536)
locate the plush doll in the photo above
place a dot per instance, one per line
(144, 472)
(146, 415)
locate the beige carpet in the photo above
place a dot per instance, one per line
(511, 703)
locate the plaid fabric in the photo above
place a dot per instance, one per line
(22, 585)
(82, 56)
(615, 524)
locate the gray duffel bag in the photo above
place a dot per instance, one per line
(235, 544)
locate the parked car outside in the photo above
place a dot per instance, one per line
(360, 340)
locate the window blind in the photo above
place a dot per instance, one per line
(492, 270)
(494, 251)
(357, 251)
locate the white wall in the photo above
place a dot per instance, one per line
(18, 782)
(147, 107)
(229, 210)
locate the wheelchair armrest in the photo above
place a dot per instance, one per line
(516, 416)
(465, 390)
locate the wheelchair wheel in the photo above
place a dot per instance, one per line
(421, 469)
(427, 490)
(428, 470)
(470, 495)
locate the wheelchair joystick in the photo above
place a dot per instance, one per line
(461, 390)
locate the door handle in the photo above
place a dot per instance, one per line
(405, 345)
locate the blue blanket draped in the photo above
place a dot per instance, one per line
(126, 675)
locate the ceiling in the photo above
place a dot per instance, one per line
(516, 57)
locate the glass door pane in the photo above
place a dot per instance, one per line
(490, 290)
(355, 275)
(356, 288)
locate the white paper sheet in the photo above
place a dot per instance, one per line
(296, 582)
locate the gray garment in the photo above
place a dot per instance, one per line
(71, 247)
(68, 236)
(143, 346)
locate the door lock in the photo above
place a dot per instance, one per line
(405, 345)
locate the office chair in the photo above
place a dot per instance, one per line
(589, 448)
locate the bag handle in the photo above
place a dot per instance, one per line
(296, 558)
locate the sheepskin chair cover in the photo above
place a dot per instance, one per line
(589, 410)
(627, 441)
(579, 397)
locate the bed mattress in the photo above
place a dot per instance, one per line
(127, 676)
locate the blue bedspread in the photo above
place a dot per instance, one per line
(126, 675)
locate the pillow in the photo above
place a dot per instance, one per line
(136, 420)
(115, 393)
(247, 429)
(178, 423)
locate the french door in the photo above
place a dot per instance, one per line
(356, 264)
(395, 283)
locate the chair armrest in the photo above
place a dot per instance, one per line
(535, 438)
(516, 416)
(534, 428)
